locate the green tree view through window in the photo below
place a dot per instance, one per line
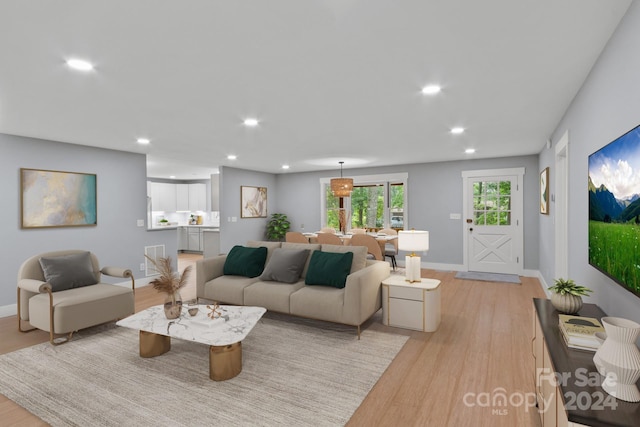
(492, 202)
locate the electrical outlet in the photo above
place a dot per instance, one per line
(140, 223)
(142, 266)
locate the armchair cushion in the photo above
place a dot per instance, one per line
(68, 271)
(244, 261)
(329, 268)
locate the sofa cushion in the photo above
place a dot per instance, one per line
(329, 268)
(273, 296)
(243, 261)
(359, 254)
(271, 246)
(68, 271)
(285, 265)
(310, 246)
(227, 289)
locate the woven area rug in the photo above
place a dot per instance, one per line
(488, 277)
(296, 372)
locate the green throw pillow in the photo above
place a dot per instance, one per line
(243, 261)
(329, 269)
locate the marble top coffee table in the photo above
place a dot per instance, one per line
(223, 335)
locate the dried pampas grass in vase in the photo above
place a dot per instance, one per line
(170, 283)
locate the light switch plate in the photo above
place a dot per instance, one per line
(455, 216)
(140, 223)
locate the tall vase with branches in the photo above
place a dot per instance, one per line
(170, 283)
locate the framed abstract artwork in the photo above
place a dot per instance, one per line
(57, 199)
(253, 202)
(544, 191)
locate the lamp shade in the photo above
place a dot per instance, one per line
(413, 240)
(341, 187)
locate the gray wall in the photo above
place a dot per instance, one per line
(607, 106)
(122, 189)
(434, 191)
(244, 229)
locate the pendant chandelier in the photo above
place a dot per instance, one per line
(341, 187)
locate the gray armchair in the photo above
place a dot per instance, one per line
(60, 292)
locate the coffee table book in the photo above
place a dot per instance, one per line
(580, 332)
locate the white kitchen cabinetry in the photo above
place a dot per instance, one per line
(197, 197)
(163, 196)
(183, 239)
(191, 197)
(195, 239)
(182, 197)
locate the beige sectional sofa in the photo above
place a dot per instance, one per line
(352, 305)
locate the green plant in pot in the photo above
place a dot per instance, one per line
(277, 227)
(566, 295)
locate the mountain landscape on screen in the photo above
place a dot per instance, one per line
(614, 210)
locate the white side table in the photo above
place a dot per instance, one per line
(411, 305)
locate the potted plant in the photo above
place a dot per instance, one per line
(277, 226)
(566, 295)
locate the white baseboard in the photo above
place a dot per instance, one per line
(8, 310)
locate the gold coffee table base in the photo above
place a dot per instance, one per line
(225, 362)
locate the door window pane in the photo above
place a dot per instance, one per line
(492, 202)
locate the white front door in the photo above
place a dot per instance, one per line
(493, 225)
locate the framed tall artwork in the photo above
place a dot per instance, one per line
(253, 202)
(544, 191)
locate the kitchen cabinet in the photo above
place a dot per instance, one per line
(163, 196)
(197, 197)
(215, 192)
(183, 239)
(210, 242)
(182, 198)
(191, 197)
(194, 242)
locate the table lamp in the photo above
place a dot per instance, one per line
(413, 241)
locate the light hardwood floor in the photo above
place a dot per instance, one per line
(444, 378)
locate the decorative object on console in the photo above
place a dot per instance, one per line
(618, 359)
(57, 199)
(341, 187)
(170, 283)
(413, 241)
(566, 295)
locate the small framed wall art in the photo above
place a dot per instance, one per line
(57, 199)
(253, 202)
(544, 191)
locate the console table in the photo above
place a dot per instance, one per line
(567, 383)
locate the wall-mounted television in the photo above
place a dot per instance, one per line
(614, 210)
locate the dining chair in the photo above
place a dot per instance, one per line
(358, 231)
(391, 247)
(373, 247)
(295, 237)
(328, 230)
(328, 239)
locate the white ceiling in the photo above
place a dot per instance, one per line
(329, 80)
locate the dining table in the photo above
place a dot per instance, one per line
(381, 238)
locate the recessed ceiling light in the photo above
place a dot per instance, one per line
(470, 150)
(457, 130)
(285, 166)
(250, 122)
(80, 64)
(232, 157)
(143, 141)
(172, 176)
(431, 89)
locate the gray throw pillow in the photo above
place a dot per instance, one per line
(68, 271)
(285, 265)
